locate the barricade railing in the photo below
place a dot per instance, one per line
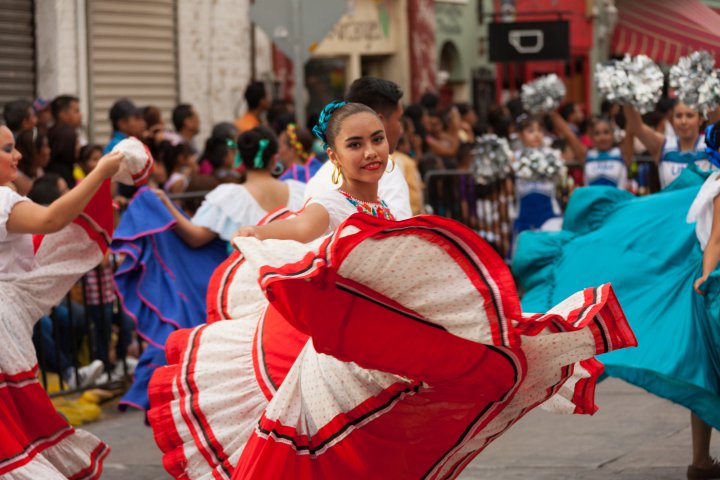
(78, 333)
(487, 207)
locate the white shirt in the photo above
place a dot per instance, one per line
(16, 249)
(392, 189)
(701, 210)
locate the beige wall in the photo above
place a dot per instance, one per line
(360, 33)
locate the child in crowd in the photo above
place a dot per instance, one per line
(180, 165)
(536, 195)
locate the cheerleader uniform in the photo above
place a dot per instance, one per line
(35, 441)
(330, 359)
(673, 161)
(536, 205)
(605, 168)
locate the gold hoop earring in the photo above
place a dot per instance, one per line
(336, 174)
(393, 165)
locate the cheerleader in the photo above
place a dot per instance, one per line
(331, 359)
(35, 441)
(537, 207)
(672, 154)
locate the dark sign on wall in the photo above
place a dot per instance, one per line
(523, 41)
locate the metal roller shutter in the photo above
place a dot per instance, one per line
(17, 50)
(132, 53)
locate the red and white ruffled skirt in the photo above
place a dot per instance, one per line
(36, 442)
(386, 350)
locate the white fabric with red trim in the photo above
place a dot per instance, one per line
(136, 167)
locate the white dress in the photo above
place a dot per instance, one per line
(35, 441)
(230, 206)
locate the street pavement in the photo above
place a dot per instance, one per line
(634, 436)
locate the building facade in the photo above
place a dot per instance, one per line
(155, 52)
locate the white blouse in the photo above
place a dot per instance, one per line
(231, 206)
(701, 210)
(16, 249)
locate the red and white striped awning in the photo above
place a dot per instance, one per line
(665, 30)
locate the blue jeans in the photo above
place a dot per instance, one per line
(55, 338)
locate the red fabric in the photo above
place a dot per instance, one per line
(29, 423)
(276, 346)
(665, 30)
(221, 279)
(352, 329)
(97, 219)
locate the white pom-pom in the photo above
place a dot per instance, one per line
(137, 165)
(543, 94)
(491, 159)
(634, 80)
(539, 164)
(696, 82)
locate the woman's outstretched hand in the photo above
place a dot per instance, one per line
(109, 164)
(245, 232)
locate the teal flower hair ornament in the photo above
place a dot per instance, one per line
(238, 159)
(258, 160)
(320, 129)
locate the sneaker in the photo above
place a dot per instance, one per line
(131, 363)
(86, 375)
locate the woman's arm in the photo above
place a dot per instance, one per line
(304, 228)
(627, 148)
(562, 129)
(194, 235)
(29, 217)
(652, 139)
(711, 255)
(447, 147)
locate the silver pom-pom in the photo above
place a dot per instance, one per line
(696, 82)
(634, 80)
(543, 94)
(491, 159)
(539, 164)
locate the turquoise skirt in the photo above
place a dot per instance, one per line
(645, 248)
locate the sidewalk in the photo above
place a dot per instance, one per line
(634, 436)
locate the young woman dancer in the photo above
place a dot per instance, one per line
(605, 239)
(377, 335)
(35, 441)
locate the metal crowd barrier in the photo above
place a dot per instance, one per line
(487, 207)
(80, 335)
(483, 207)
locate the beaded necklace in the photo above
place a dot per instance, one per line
(376, 209)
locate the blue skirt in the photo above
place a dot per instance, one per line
(645, 248)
